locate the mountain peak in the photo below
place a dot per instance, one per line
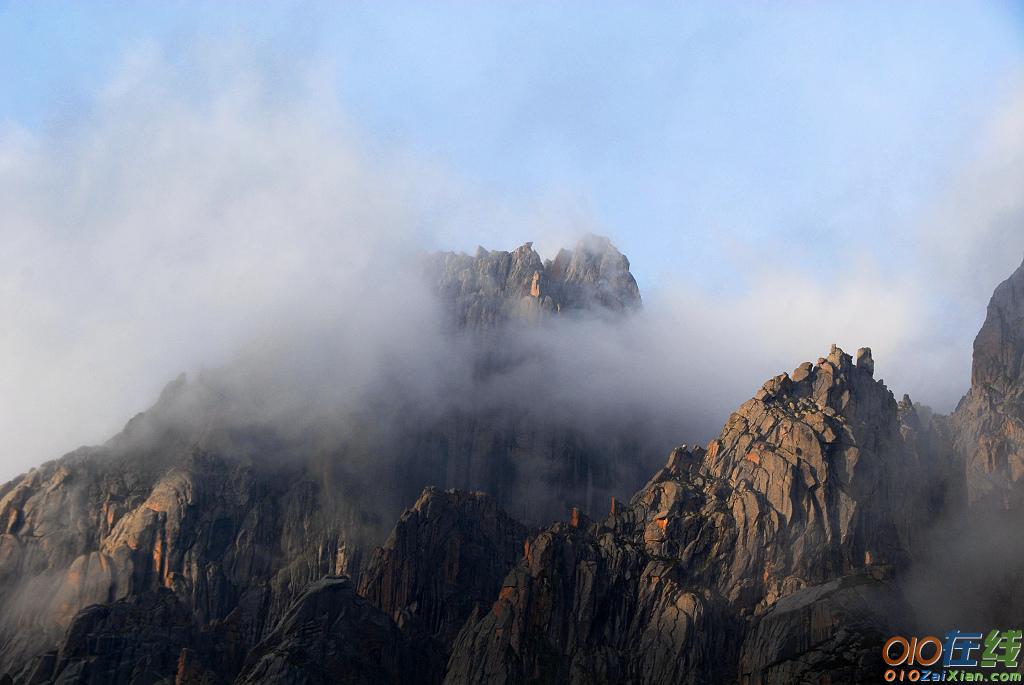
(999, 346)
(493, 287)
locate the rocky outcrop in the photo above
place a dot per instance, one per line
(149, 637)
(331, 635)
(491, 287)
(229, 535)
(838, 480)
(989, 421)
(809, 482)
(195, 548)
(445, 558)
(501, 435)
(237, 517)
(827, 633)
(999, 346)
(586, 605)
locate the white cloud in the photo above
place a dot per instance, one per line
(194, 211)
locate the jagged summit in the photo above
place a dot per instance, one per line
(780, 553)
(999, 346)
(989, 420)
(493, 287)
(814, 493)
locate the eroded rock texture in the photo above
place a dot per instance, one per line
(798, 495)
(492, 288)
(332, 635)
(827, 633)
(989, 420)
(211, 552)
(230, 537)
(446, 557)
(237, 516)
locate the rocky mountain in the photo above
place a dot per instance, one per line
(445, 558)
(238, 515)
(494, 288)
(800, 511)
(990, 418)
(783, 551)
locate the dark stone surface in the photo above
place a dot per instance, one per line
(192, 553)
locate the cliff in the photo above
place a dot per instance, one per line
(192, 548)
(237, 515)
(794, 519)
(989, 420)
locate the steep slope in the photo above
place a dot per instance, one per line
(989, 420)
(807, 494)
(331, 635)
(230, 535)
(147, 637)
(445, 559)
(503, 435)
(446, 556)
(201, 548)
(237, 514)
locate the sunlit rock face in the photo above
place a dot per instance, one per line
(193, 548)
(989, 420)
(231, 538)
(813, 491)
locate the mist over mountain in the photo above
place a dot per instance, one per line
(506, 344)
(231, 511)
(192, 211)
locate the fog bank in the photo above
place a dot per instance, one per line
(189, 224)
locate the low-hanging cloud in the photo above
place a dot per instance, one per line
(238, 221)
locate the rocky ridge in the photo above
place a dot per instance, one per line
(797, 499)
(778, 553)
(492, 288)
(237, 519)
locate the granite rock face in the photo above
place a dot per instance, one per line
(989, 420)
(827, 633)
(237, 518)
(138, 639)
(999, 346)
(807, 489)
(208, 551)
(446, 557)
(332, 635)
(493, 288)
(500, 305)
(229, 539)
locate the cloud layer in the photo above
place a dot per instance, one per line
(195, 215)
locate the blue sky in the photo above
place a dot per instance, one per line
(781, 175)
(700, 132)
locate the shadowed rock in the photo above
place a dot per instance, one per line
(238, 517)
(811, 481)
(191, 552)
(446, 556)
(331, 635)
